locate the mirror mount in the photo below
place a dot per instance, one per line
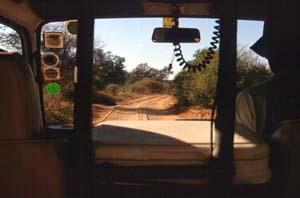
(176, 14)
(171, 33)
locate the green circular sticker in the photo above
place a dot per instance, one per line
(53, 88)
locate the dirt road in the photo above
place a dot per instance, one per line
(152, 107)
(145, 108)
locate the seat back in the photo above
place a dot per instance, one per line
(285, 157)
(20, 114)
(29, 169)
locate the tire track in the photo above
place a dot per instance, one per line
(136, 110)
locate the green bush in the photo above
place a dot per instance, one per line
(146, 86)
(113, 89)
(199, 88)
(196, 88)
(249, 76)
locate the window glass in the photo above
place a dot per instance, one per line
(251, 67)
(10, 40)
(58, 60)
(137, 79)
(133, 79)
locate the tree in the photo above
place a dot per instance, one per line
(164, 73)
(10, 39)
(108, 69)
(199, 88)
(143, 70)
(251, 70)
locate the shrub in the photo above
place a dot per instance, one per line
(58, 109)
(103, 98)
(249, 76)
(199, 88)
(113, 89)
(62, 116)
(196, 88)
(146, 86)
(68, 91)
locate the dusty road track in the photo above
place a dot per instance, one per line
(152, 107)
(146, 108)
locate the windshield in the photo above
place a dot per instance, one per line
(142, 80)
(137, 79)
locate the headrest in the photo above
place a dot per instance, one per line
(20, 113)
(285, 159)
(288, 132)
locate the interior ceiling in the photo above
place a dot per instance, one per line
(66, 9)
(20, 13)
(30, 13)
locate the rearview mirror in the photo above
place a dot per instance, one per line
(176, 35)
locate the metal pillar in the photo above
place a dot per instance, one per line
(226, 94)
(83, 88)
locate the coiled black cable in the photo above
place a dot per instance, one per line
(193, 68)
(213, 109)
(209, 55)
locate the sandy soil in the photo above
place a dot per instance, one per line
(151, 107)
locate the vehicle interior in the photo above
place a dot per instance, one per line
(116, 158)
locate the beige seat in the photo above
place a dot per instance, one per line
(20, 113)
(148, 143)
(29, 168)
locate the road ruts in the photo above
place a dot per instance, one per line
(146, 108)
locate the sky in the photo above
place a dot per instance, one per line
(131, 38)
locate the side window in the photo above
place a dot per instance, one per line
(58, 60)
(10, 40)
(252, 68)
